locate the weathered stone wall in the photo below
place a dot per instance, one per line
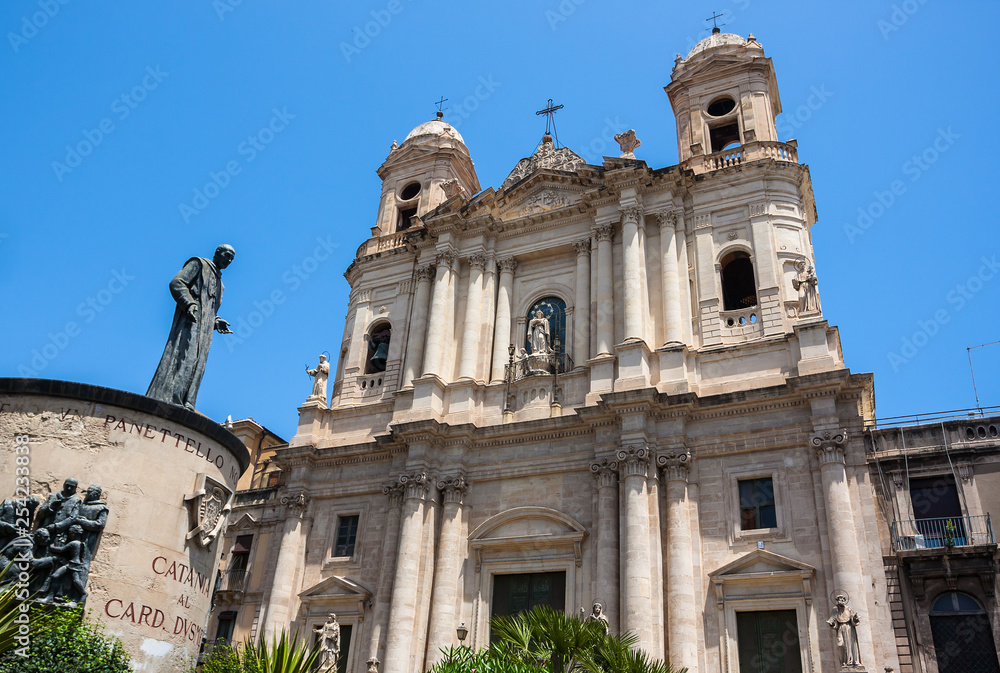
(149, 584)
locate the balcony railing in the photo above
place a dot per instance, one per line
(254, 496)
(543, 364)
(752, 151)
(943, 533)
(233, 580)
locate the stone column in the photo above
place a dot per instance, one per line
(637, 584)
(473, 306)
(418, 324)
(605, 290)
(383, 594)
(444, 600)
(283, 587)
(608, 590)
(581, 313)
(489, 315)
(632, 258)
(437, 333)
(831, 447)
(501, 334)
(671, 280)
(682, 612)
(402, 610)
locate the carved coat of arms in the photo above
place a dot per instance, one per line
(208, 507)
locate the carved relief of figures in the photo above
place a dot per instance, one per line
(546, 200)
(805, 282)
(329, 644)
(61, 545)
(320, 375)
(844, 621)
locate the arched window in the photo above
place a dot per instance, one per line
(963, 639)
(378, 347)
(739, 289)
(546, 333)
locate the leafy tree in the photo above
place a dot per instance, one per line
(68, 644)
(543, 640)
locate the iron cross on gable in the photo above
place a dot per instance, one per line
(550, 122)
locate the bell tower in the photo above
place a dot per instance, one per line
(724, 95)
(431, 166)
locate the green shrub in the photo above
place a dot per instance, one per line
(69, 643)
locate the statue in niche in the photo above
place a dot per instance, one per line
(329, 643)
(197, 289)
(320, 375)
(539, 335)
(844, 621)
(597, 615)
(378, 345)
(805, 282)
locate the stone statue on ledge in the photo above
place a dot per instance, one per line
(329, 644)
(197, 289)
(844, 621)
(320, 375)
(597, 615)
(805, 283)
(538, 334)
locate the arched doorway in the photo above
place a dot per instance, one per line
(963, 639)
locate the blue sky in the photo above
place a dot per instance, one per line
(290, 107)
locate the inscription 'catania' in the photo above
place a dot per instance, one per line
(183, 574)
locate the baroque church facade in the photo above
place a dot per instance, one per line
(608, 384)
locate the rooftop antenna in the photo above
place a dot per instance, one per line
(715, 22)
(973, 371)
(440, 112)
(550, 122)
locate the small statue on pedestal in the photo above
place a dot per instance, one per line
(805, 283)
(844, 621)
(597, 615)
(329, 644)
(320, 375)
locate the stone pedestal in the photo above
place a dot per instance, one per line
(633, 365)
(151, 577)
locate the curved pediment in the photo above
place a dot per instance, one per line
(522, 522)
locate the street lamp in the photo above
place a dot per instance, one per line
(462, 632)
(507, 411)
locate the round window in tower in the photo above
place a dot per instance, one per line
(721, 106)
(409, 191)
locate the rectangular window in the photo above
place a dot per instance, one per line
(757, 504)
(227, 622)
(241, 552)
(347, 534)
(273, 477)
(516, 593)
(935, 505)
(768, 642)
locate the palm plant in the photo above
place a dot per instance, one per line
(544, 640)
(283, 654)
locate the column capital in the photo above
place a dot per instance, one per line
(477, 261)
(507, 264)
(425, 272)
(634, 460)
(631, 214)
(605, 472)
(414, 484)
(676, 464)
(453, 488)
(395, 493)
(445, 258)
(666, 218)
(831, 446)
(604, 232)
(582, 246)
(297, 503)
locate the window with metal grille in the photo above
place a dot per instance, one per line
(757, 504)
(516, 593)
(347, 534)
(963, 638)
